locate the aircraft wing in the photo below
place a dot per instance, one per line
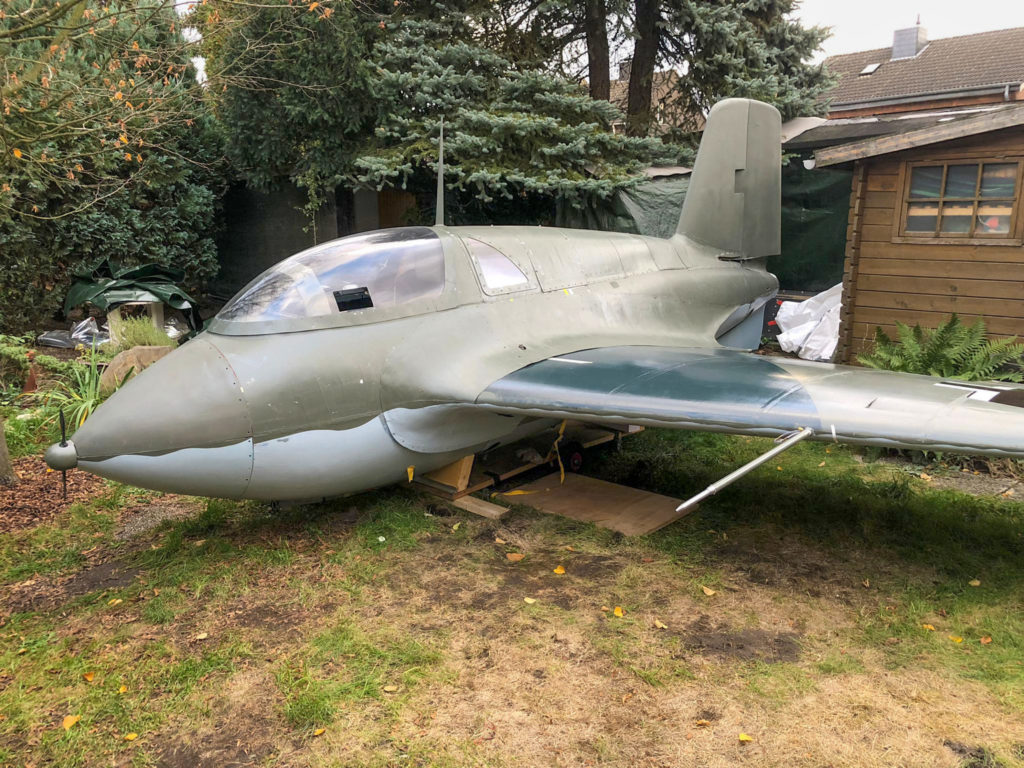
(744, 393)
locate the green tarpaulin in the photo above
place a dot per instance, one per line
(815, 206)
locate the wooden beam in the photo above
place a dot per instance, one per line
(955, 129)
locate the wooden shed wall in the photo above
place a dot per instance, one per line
(886, 282)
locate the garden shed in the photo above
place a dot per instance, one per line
(936, 226)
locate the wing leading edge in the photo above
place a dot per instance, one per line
(738, 392)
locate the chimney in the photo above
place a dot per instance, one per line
(907, 43)
(624, 67)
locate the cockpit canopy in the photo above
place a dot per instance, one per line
(386, 268)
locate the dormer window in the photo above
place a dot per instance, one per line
(870, 69)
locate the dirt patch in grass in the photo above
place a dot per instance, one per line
(973, 757)
(44, 593)
(243, 728)
(141, 519)
(709, 638)
(38, 498)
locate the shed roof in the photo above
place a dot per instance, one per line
(957, 128)
(827, 133)
(948, 65)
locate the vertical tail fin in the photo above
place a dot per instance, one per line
(733, 202)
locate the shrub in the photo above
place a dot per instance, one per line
(952, 351)
(78, 394)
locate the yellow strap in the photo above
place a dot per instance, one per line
(554, 447)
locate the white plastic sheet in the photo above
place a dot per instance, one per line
(811, 328)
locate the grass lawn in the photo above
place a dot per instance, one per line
(834, 612)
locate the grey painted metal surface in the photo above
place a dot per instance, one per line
(326, 379)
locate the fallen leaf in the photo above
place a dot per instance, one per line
(660, 625)
(456, 527)
(929, 627)
(985, 640)
(202, 635)
(123, 689)
(570, 548)
(16, 152)
(156, 592)
(975, 582)
(689, 736)
(866, 583)
(779, 468)
(319, 731)
(390, 688)
(514, 557)
(605, 608)
(70, 720)
(88, 676)
(115, 601)
(131, 736)
(500, 541)
(627, 697)
(744, 739)
(708, 591)
(529, 600)
(198, 542)
(955, 638)
(925, 476)
(703, 723)
(559, 570)
(822, 464)
(618, 611)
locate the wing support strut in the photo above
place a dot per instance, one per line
(787, 442)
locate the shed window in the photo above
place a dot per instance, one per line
(962, 200)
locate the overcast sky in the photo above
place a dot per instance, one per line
(860, 25)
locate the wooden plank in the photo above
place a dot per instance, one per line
(880, 200)
(877, 233)
(985, 271)
(851, 260)
(858, 150)
(881, 182)
(945, 251)
(878, 217)
(984, 289)
(480, 507)
(997, 326)
(454, 475)
(964, 305)
(617, 507)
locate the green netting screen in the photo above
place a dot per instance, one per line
(815, 205)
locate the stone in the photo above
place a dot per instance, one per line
(129, 363)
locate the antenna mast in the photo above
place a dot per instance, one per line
(439, 216)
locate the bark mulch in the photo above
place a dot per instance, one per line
(37, 496)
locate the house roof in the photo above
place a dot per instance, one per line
(949, 65)
(971, 125)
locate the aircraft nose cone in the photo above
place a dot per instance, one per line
(181, 425)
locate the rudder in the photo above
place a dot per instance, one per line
(734, 199)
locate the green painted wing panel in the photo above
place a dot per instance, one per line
(670, 385)
(732, 391)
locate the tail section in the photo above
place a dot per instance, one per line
(733, 202)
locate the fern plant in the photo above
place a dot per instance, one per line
(952, 351)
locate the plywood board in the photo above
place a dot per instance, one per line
(480, 507)
(617, 507)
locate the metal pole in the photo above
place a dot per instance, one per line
(731, 478)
